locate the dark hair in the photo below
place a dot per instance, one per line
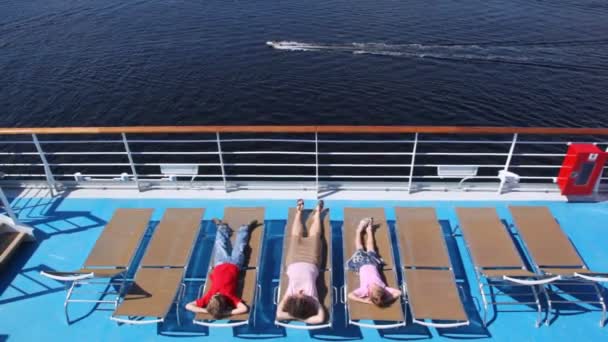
(217, 306)
(380, 299)
(300, 307)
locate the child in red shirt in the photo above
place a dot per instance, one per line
(221, 300)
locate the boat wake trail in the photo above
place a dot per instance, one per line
(541, 55)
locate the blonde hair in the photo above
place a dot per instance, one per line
(379, 297)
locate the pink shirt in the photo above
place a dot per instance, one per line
(302, 277)
(368, 275)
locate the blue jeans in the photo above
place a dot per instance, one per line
(224, 251)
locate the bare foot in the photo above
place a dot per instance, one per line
(300, 204)
(320, 205)
(370, 224)
(363, 224)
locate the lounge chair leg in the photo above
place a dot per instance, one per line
(483, 299)
(537, 300)
(549, 307)
(67, 301)
(600, 298)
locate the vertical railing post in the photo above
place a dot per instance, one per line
(219, 153)
(507, 163)
(317, 162)
(50, 179)
(131, 163)
(7, 207)
(412, 164)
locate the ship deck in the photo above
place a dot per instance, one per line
(67, 226)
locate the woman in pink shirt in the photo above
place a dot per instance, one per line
(365, 261)
(301, 301)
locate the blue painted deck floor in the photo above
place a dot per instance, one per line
(31, 306)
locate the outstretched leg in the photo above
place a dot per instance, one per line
(222, 248)
(238, 250)
(362, 225)
(297, 228)
(315, 228)
(370, 244)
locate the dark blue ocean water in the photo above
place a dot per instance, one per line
(165, 62)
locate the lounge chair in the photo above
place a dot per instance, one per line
(553, 254)
(325, 288)
(9, 242)
(432, 291)
(249, 286)
(392, 316)
(497, 260)
(158, 280)
(110, 258)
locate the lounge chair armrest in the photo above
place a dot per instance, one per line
(335, 295)
(596, 278)
(68, 278)
(441, 325)
(532, 282)
(302, 327)
(275, 295)
(133, 321)
(220, 325)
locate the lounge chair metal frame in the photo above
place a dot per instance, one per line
(449, 267)
(345, 289)
(492, 284)
(203, 288)
(331, 289)
(73, 280)
(180, 292)
(575, 280)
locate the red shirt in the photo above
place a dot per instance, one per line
(224, 280)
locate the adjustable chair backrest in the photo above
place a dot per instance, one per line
(488, 239)
(119, 240)
(544, 239)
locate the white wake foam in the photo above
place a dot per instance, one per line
(457, 51)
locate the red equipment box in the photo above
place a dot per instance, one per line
(582, 167)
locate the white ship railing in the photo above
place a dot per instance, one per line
(407, 158)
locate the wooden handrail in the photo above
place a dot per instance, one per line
(308, 129)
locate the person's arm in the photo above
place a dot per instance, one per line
(395, 293)
(318, 318)
(353, 296)
(195, 308)
(282, 315)
(240, 308)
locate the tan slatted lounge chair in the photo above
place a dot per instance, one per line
(552, 254)
(157, 284)
(393, 315)
(432, 291)
(111, 256)
(249, 285)
(497, 260)
(325, 288)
